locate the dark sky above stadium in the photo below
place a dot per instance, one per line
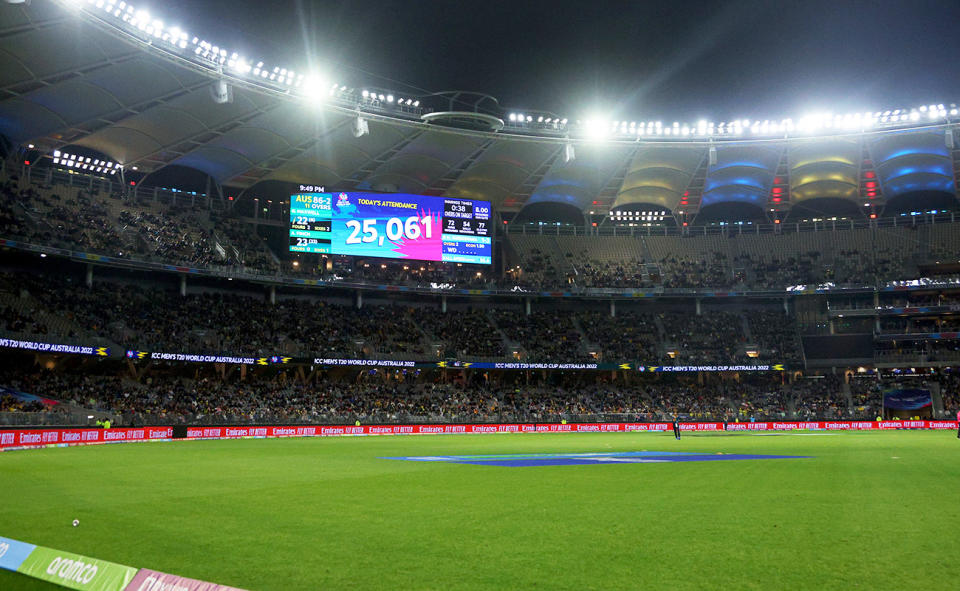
(625, 59)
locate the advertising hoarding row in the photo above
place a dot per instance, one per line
(75, 571)
(26, 438)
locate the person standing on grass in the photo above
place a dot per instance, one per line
(958, 424)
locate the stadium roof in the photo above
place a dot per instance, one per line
(73, 79)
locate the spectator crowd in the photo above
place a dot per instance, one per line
(414, 396)
(155, 317)
(144, 227)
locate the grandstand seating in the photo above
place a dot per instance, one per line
(107, 223)
(102, 221)
(389, 397)
(154, 316)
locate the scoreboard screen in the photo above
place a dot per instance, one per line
(396, 226)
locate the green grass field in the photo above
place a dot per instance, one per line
(869, 511)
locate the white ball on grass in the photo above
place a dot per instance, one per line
(76, 522)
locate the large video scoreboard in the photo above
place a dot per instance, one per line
(397, 226)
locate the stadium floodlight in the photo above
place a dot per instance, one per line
(313, 86)
(595, 128)
(240, 66)
(143, 23)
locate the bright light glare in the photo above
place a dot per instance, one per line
(314, 87)
(596, 128)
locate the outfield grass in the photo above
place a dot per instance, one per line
(869, 510)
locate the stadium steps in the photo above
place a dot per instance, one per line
(263, 247)
(507, 343)
(798, 343)
(845, 391)
(661, 338)
(560, 262)
(428, 339)
(223, 247)
(586, 343)
(35, 219)
(791, 404)
(937, 395)
(583, 345)
(269, 251)
(745, 325)
(512, 253)
(25, 304)
(645, 250)
(923, 243)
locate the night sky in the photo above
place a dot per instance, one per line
(637, 60)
